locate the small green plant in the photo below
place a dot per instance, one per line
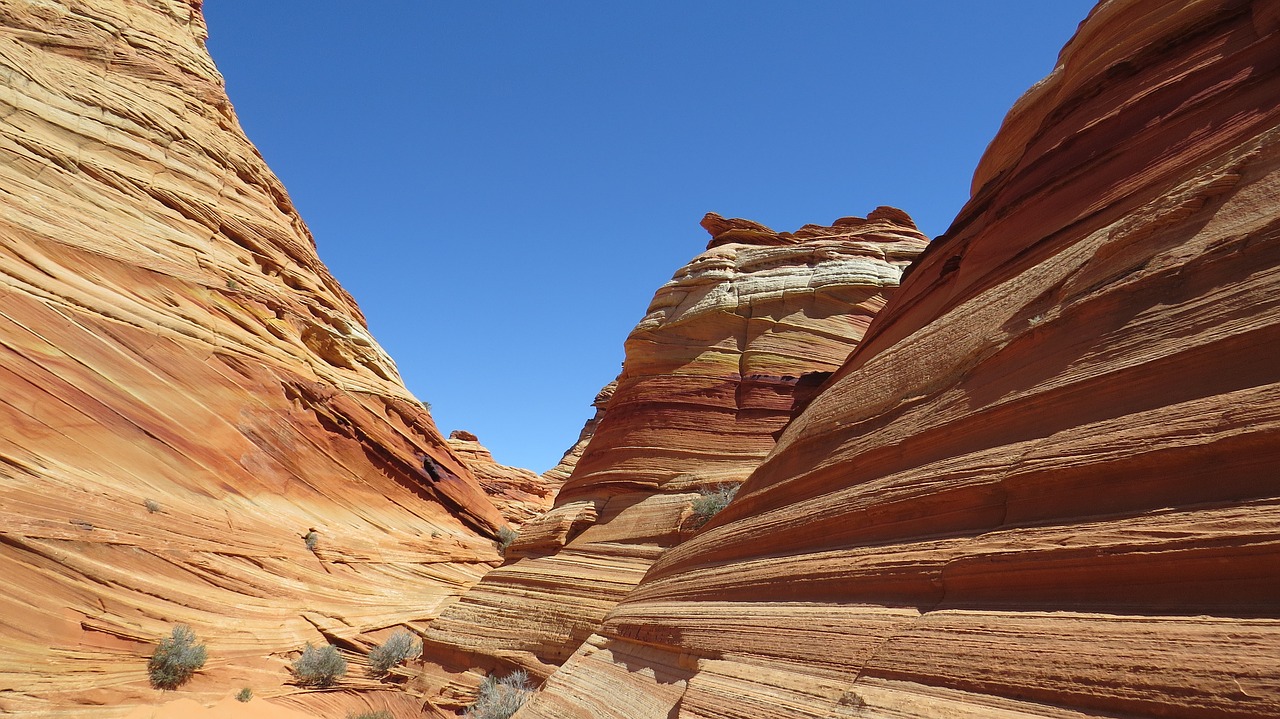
(380, 714)
(311, 539)
(500, 698)
(319, 667)
(152, 506)
(506, 536)
(710, 501)
(244, 695)
(399, 646)
(176, 658)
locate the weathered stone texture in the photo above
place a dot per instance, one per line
(1044, 484)
(520, 494)
(170, 341)
(709, 377)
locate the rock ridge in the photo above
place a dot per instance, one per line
(1039, 486)
(708, 380)
(196, 425)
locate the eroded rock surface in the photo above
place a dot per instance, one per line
(564, 467)
(1044, 484)
(710, 375)
(187, 392)
(520, 494)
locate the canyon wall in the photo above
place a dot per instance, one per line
(188, 394)
(520, 494)
(1044, 484)
(711, 373)
(564, 467)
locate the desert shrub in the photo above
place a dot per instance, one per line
(380, 714)
(710, 501)
(399, 646)
(311, 539)
(319, 667)
(152, 506)
(244, 695)
(176, 658)
(506, 536)
(500, 698)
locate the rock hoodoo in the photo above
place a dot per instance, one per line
(708, 379)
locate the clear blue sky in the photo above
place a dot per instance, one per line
(503, 185)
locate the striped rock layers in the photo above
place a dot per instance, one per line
(520, 494)
(710, 375)
(188, 395)
(564, 467)
(1045, 483)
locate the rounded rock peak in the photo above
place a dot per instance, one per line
(725, 231)
(892, 214)
(463, 435)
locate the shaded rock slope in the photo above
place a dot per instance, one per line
(187, 392)
(711, 373)
(1044, 485)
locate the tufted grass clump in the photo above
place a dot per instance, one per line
(311, 539)
(380, 714)
(710, 501)
(319, 667)
(499, 698)
(176, 658)
(399, 646)
(244, 695)
(506, 536)
(152, 506)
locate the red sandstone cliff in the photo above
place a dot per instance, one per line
(186, 389)
(1044, 484)
(710, 375)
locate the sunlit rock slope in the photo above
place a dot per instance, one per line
(520, 494)
(187, 392)
(710, 375)
(1045, 483)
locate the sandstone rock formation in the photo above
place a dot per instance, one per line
(1044, 484)
(520, 494)
(708, 379)
(187, 392)
(564, 467)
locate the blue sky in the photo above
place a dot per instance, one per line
(503, 185)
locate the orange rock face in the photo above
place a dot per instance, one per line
(520, 494)
(187, 392)
(1044, 484)
(710, 375)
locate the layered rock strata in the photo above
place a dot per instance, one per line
(709, 377)
(195, 425)
(564, 467)
(520, 494)
(1043, 485)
